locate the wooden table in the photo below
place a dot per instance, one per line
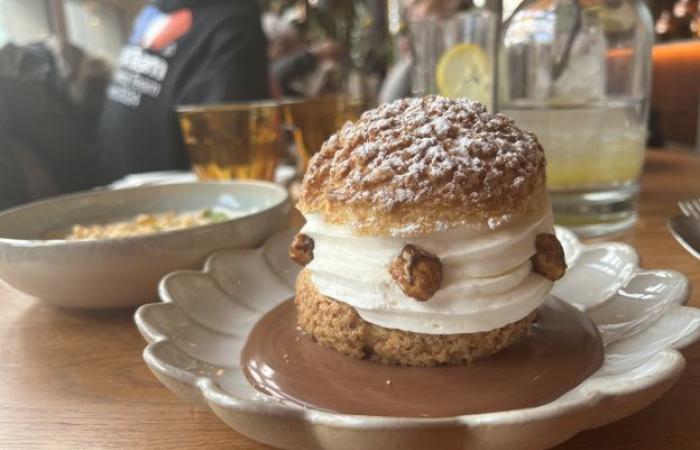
(74, 380)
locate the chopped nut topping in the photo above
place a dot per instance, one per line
(417, 272)
(549, 258)
(302, 249)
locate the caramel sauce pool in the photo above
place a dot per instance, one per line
(562, 350)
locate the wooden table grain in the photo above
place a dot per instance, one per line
(72, 379)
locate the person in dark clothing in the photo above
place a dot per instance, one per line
(180, 52)
(288, 69)
(50, 94)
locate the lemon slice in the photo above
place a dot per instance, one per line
(464, 71)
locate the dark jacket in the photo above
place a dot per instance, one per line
(292, 67)
(180, 52)
(47, 120)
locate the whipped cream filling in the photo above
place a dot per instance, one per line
(487, 275)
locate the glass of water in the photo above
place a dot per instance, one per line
(577, 73)
(455, 57)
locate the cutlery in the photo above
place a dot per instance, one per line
(690, 208)
(686, 229)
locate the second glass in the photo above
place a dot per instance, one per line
(242, 140)
(312, 121)
(577, 74)
(455, 57)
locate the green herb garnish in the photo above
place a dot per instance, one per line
(214, 216)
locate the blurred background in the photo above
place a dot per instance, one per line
(90, 89)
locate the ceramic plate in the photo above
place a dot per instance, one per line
(196, 334)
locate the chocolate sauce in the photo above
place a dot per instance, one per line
(562, 350)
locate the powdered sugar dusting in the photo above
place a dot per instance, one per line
(431, 150)
(496, 222)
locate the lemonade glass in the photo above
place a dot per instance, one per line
(455, 57)
(577, 74)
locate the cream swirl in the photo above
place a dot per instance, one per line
(487, 275)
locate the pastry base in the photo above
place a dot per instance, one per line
(337, 325)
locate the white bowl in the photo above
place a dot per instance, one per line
(196, 335)
(125, 271)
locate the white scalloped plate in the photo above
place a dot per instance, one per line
(196, 334)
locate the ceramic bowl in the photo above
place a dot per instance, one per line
(196, 334)
(121, 272)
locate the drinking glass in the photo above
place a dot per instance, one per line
(241, 140)
(455, 57)
(312, 121)
(577, 74)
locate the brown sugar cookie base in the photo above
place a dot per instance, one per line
(337, 325)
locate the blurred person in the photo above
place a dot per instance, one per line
(50, 94)
(290, 59)
(397, 83)
(180, 52)
(288, 71)
(282, 36)
(432, 9)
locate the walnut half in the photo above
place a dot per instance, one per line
(417, 272)
(302, 249)
(549, 257)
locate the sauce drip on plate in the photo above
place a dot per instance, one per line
(562, 350)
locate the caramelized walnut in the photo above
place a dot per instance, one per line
(549, 257)
(302, 249)
(418, 273)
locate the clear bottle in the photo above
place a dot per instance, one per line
(577, 73)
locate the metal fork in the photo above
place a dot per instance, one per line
(686, 228)
(690, 208)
